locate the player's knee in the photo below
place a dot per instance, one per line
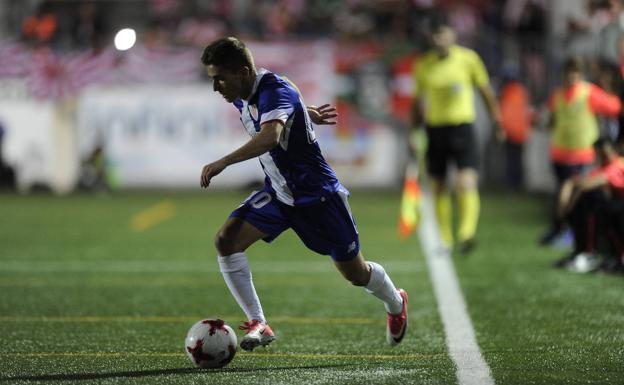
(359, 281)
(357, 278)
(467, 180)
(439, 187)
(224, 243)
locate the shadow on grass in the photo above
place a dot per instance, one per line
(156, 372)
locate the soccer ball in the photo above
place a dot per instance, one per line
(210, 343)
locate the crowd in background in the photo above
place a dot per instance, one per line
(513, 37)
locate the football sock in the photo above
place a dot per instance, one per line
(237, 276)
(444, 215)
(468, 205)
(381, 286)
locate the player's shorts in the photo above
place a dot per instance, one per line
(326, 228)
(564, 171)
(454, 143)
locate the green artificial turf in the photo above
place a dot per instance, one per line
(85, 298)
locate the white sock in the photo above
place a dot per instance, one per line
(381, 286)
(237, 276)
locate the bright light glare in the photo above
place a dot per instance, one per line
(125, 39)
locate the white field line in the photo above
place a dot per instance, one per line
(460, 336)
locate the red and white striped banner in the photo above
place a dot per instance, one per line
(54, 75)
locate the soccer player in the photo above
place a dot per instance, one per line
(300, 192)
(574, 108)
(445, 77)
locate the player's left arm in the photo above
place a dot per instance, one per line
(492, 105)
(584, 185)
(482, 82)
(325, 114)
(593, 182)
(603, 103)
(490, 100)
(265, 140)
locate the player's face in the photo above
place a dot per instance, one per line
(443, 38)
(229, 84)
(571, 77)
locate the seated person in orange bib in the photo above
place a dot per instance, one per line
(593, 206)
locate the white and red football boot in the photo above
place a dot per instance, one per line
(258, 333)
(397, 323)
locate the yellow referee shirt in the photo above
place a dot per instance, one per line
(445, 85)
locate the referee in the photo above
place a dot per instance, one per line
(443, 100)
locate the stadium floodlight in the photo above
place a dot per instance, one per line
(125, 39)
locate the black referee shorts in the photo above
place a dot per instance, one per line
(453, 143)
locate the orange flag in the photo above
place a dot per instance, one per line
(409, 214)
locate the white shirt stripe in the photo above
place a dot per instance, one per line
(278, 182)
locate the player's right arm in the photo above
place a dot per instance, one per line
(417, 110)
(265, 140)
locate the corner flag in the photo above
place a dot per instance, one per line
(409, 214)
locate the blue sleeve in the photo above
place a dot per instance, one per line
(276, 102)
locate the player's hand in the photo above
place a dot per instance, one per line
(325, 114)
(211, 170)
(499, 133)
(501, 136)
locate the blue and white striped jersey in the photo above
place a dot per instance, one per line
(295, 170)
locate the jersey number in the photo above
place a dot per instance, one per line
(260, 200)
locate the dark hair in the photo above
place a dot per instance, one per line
(603, 141)
(438, 22)
(229, 53)
(573, 64)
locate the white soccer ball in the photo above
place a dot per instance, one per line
(210, 343)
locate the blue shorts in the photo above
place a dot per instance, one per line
(326, 228)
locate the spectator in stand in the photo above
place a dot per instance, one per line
(516, 113)
(40, 29)
(574, 108)
(527, 23)
(89, 26)
(609, 35)
(583, 29)
(593, 205)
